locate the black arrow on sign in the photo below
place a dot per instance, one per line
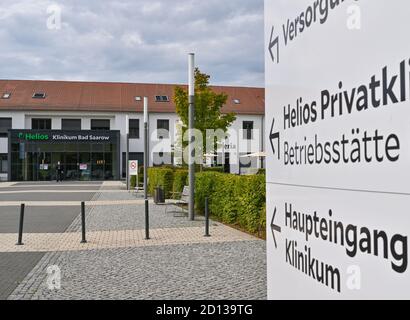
(274, 228)
(274, 136)
(273, 43)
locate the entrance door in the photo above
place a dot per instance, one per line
(97, 167)
(31, 167)
(45, 169)
(70, 166)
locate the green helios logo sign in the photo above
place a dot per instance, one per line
(33, 136)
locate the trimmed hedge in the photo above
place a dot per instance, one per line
(180, 180)
(161, 177)
(171, 180)
(214, 169)
(237, 200)
(141, 175)
(133, 182)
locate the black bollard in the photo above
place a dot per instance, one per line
(147, 220)
(20, 238)
(206, 218)
(83, 222)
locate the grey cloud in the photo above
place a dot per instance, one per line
(133, 40)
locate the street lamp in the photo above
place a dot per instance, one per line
(146, 159)
(127, 158)
(191, 80)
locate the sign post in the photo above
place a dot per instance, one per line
(132, 171)
(191, 97)
(338, 165)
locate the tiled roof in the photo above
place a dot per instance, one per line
(113, 97)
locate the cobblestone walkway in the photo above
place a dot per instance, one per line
(118, 263)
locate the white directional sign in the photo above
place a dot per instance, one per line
(338, 168)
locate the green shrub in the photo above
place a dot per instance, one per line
(224, 199)
(214, 169)
(204, 187)
(251, 199)
(161, 177)
(133, 182)
(180, 180)
(238, 200)
(141, 175)
(262, 221)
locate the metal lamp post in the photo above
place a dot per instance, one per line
(127, 157)
(146, 159)
(191, 98)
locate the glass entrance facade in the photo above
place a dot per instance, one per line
(83, 155)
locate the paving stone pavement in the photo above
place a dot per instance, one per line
(128, 217)
(45, 242)
(230, 271)
(213, 268)
(15, 266)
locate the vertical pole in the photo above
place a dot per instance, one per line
(127, 162)
(83, 238)
(263, 143)
(20, 237)
(206, 218)
(191, 78)
(146, 159)
(127, 157)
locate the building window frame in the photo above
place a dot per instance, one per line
(70, 127)
(4, 163)
(248, 127)
(163, 129)
(134, 128)
(6, 124)
(42, 124)
(100, 126)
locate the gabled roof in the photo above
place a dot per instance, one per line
(113, 97)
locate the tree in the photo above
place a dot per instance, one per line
(208, 109)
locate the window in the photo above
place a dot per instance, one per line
(100, 124)
(5, 126)
(138, 98)
(248, 130)
(39, 95)
(71, 124)
(3, 163)
(161, 99)
(134, 126)
(6, 95)
(162, 129)
(41, 124)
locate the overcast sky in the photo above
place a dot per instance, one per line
(132, 40)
